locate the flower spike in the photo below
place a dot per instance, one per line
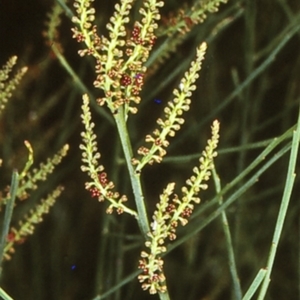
(169, 214)
(7, 85)
(120, 57)
(27, 226)
(173, 120)
(99, 186)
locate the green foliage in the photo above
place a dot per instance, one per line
(27, 226)
(28, 181)
(140, 61)
(24, 181)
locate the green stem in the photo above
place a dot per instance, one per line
(67, 10)
(135, 181)
(134, 177)
(164, 296)
(230, 199)
(4, 295)
(8, 213)
(231, 258)
(255, 284)
(290, 178)
(285, 36)
(77, 80)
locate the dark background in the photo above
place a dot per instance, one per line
(78, 250)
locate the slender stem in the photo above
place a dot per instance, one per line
(258, 160)
(4, 295)
(134, 177)
(135, 181)
(230, 199)
(231, 258)
(255, 284)
(67, 10)
(290, 178)
(8, 213)
(164, 296)
(77, 80)
(118, 286)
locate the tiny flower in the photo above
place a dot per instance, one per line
(95, 193)
(126, 80)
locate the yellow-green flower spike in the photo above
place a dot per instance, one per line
(30, 178)
(27, 226)
(8, 85)
(170, 213)
(120, 57)
(99, 186)
(173, 115)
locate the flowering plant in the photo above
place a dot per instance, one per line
(120, 71)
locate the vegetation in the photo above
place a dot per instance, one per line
(173, 128)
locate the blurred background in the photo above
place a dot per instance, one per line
(249, 81)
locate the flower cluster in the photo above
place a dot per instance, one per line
(25, 180)
(188, 17)
(8, 85)
(99, 186)
(26, 227)
(175, 27)
(151, 263)
(31, 178)
(52, 24)
(202, 173)
(102, 190)
(120, 57)
(173, 120)
(120, 70)
(170, 213)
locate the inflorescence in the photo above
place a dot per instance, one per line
(120, 57)
(99, 186)
(120, 71)
(171, 211)
(173, 115)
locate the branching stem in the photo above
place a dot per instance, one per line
(134, 177)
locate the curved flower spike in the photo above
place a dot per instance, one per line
(170, 213)
(173, 120)
(99, 186)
